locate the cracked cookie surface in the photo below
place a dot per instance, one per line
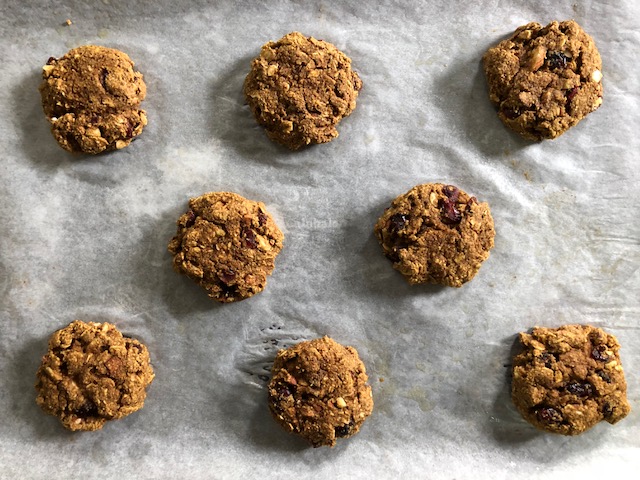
(300, 88)
(319, 390)
(227, 244)
(544, 80)
(91, 97)
(92, 374)
(568, 379)
(436, 234)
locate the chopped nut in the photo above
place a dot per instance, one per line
(93, 132)
(47, 69)
(120, 144)
(536, 60)
(596, 75)
(272, 69)
(433, 198)
(340, 403)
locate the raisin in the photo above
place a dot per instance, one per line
(190, 218)
(129, 133)
(344, 430)
(285, 391)
(548, 415)
(557, 60)
(547, 359)
(604, 376)
(580, 389)
(227, 276)
(607, 410)
(262, 218)
(449, 213)
(511, 112)
(249, 238)
(398, 221)
(451, 192)
(598, 353)
(103, 78)
(88, 409)
(52, 60)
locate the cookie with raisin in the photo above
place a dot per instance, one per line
(436, 234)
(91, 97)
(299, 89)
(319, 390)
(227, 244)
(92, 374)
(544, 80)
(568, 379)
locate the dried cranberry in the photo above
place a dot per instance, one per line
(557, 60)
(449, 213)
(129, 130)
(262, 218)
(548, 415)
(249, 238)
(227, 276)
(398, 221)
(598, 353)
(572, 93)
(451, 192)
(191, 218)
(604, 376)
(472, 201)
(580, 389)
(344, 430)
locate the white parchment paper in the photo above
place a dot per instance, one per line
(85, 237)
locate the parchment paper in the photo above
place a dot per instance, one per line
(85, 238)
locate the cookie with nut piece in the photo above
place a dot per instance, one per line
(568, 379)
(91, 97)
(299, 89)
(92, 374)
(227, 244)
(319, 390)
(544, 80)
(436, 234)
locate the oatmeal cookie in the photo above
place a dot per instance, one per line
(544, 80)
(91, 97)
(568, 379)
(299, 89)
(319, 391)
(92, 374)
(227, 244)
(437, 234)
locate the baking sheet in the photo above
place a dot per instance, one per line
(85, 238)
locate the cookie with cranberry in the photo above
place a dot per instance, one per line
(92, 374)
(227, 244)
(319, 391)
(436, 234)
(544, 80)
(91, 97)
(568, 379)
(300, 88)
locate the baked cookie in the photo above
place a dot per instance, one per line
(91, 96)
(568, 379)
(319, 390)
(544, 80)
(436, 233)
(227, 244)
(299, 89)
(92, 374)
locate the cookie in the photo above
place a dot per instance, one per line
(319, 391)
(299, 89)
(92, 374)
(436, 234)
(544, 80)
(91, 97)
(568, 379)
(227, 244)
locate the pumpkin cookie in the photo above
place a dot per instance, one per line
(319, 391)
(544, 80)
(436, 233)
(299, 89)
(91, 96)
(227, 244)
(92, 374)
(568, 379)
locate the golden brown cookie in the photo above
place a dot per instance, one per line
(436, 233)
(92, 374)
(544, 80)
(568, 379)
(319, 391)
(299, 89)
(227, 244)
(91, 96)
